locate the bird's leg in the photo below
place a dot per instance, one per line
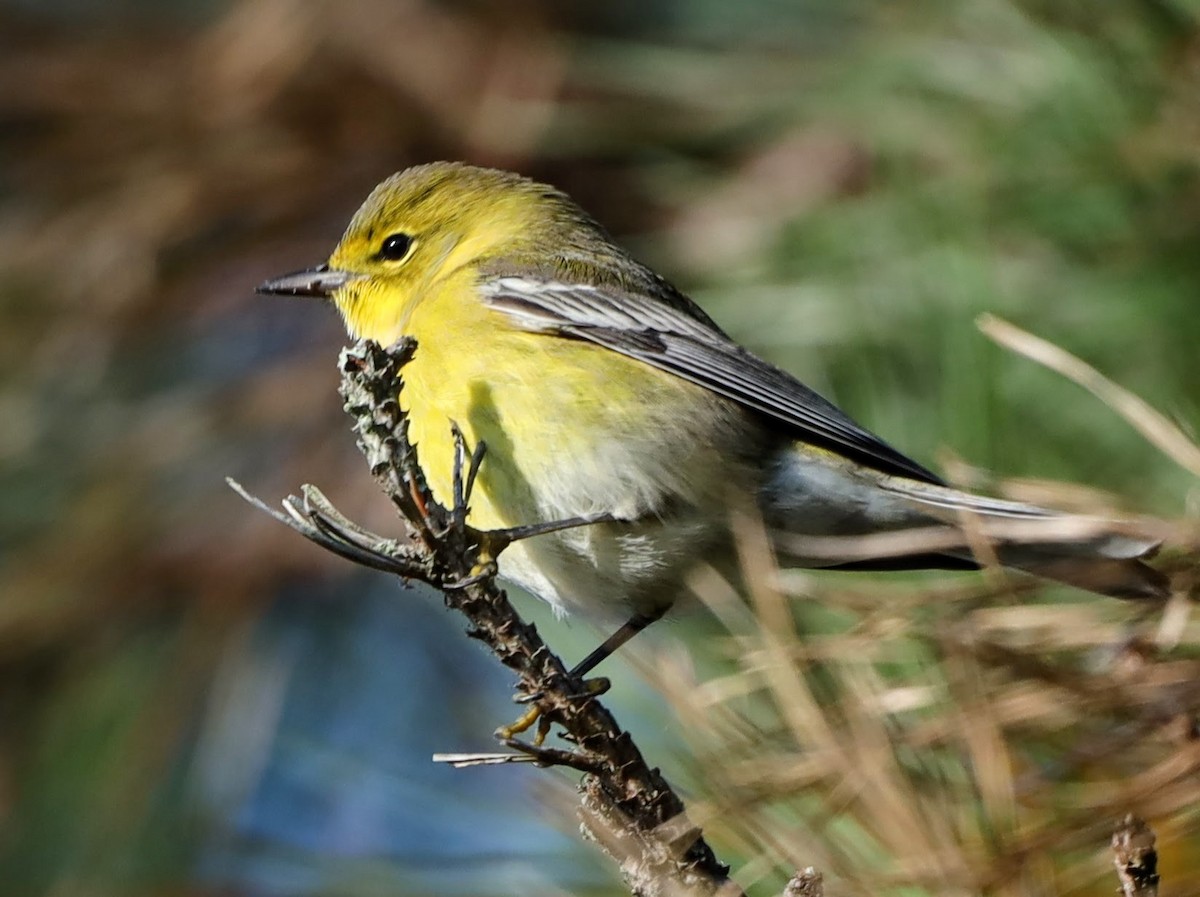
(613, 643)
(517, 533)
(591, 687)
(492, 542)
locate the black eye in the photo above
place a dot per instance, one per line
(395, 247)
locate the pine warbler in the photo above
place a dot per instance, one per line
(601, 390)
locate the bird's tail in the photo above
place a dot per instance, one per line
(831, 515)
(1093, 553)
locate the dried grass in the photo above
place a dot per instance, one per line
(946, 736)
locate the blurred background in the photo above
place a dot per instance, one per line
(193, 700)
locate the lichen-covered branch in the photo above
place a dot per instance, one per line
(628, 808)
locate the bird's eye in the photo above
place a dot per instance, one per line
(395, 247)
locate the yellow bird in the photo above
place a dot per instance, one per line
(600, 390)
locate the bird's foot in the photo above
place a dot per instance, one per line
(591, 688)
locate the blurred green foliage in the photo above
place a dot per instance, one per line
(845, 186)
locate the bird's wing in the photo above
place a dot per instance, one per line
(667, 338)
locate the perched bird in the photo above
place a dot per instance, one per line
(601, 390)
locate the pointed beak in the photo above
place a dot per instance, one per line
(320, 282)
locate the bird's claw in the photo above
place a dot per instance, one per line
(591, 688)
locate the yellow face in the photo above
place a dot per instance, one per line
(422, 226)
(434, 222)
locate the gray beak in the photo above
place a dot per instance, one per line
(320, 282)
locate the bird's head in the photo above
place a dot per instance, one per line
(430, 222)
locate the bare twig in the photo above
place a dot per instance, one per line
(1135, 858)
(1157, 429)
(628, 807)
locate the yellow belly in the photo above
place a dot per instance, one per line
(573, 429)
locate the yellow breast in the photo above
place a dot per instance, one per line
(571, 429)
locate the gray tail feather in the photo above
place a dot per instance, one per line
(1099, 555)
(1118, 577)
